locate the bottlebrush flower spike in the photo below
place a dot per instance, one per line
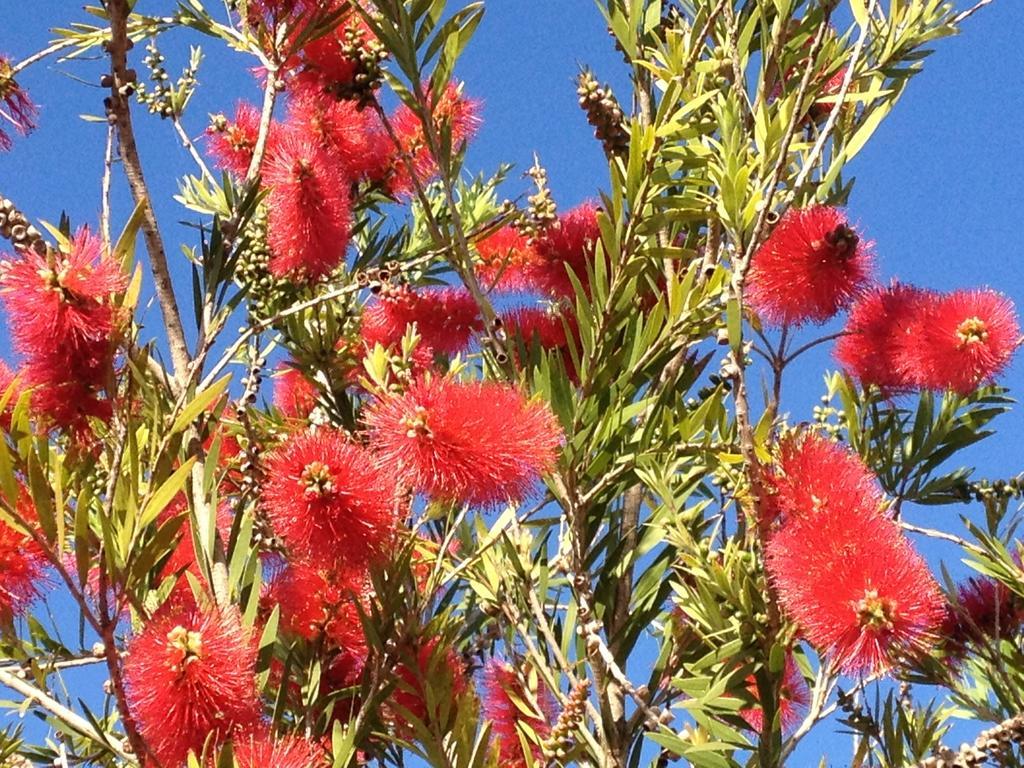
(506, 258)
(813, 476)
(984, 608)
(453, 113)
(261, 749)
(65, 303)
(812, 265)
(16, 108)
(23, 569)
(512, 709)
(352, 137)
(65, 326)
(295, 396)
(233, 142)
(826, 100)
(445, 318)
(794, 698)
(326, 500)
(546, 328)
(570, 243)
(334, 57)
(191, 674)
(855, 587)
(441, 669)
(966, 339)
(478, 443)
(883, 326)
(309, 209)
(66, 405)
(321, 602)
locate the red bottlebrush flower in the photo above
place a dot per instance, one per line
(883, 324)
(794, 698)
(191, 673)
(295, 396)
(64, 324)
(22, 563)
(966, 338)
(512, 709)
(816, 476)
(453, 113)
(535, 323)
(546, 328)
(812, 265)
(309, 209)
(334, 56)
(233, 142)
(261, 749)
(569, 244)
(984, 608)
(445, 318)
(441, 670)
(349, 135)
(325, 499)
(16, 108)
(183, 558)
(65, 303)
(506, 260)
(67, 405)
(477, 443)
(320, 602)
(855, 586)
(826, 100)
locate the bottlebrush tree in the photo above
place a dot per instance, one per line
(482, 482)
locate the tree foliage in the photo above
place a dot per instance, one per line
(617, 614)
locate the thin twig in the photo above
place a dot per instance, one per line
(294, 309)
(53, 665)
(36, 57)
(824, 683)
(833, 115)
(66, 715)
(934, 533)
(266, 118)
(108, 167)
(811, 345)
(191, 147)
(964, 15)
(698, 48)
(120, 90)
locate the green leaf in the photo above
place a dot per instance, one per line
(200, 403)
(860, 12)
(170, 488)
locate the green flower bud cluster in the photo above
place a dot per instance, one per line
(369, 57)
(268, 294)
(161, 97)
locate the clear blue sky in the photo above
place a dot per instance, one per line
(938, 189)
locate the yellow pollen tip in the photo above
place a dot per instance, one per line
(875, 613)
(317, 478)
(185, 646)
(416, 424)
(973, 330)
